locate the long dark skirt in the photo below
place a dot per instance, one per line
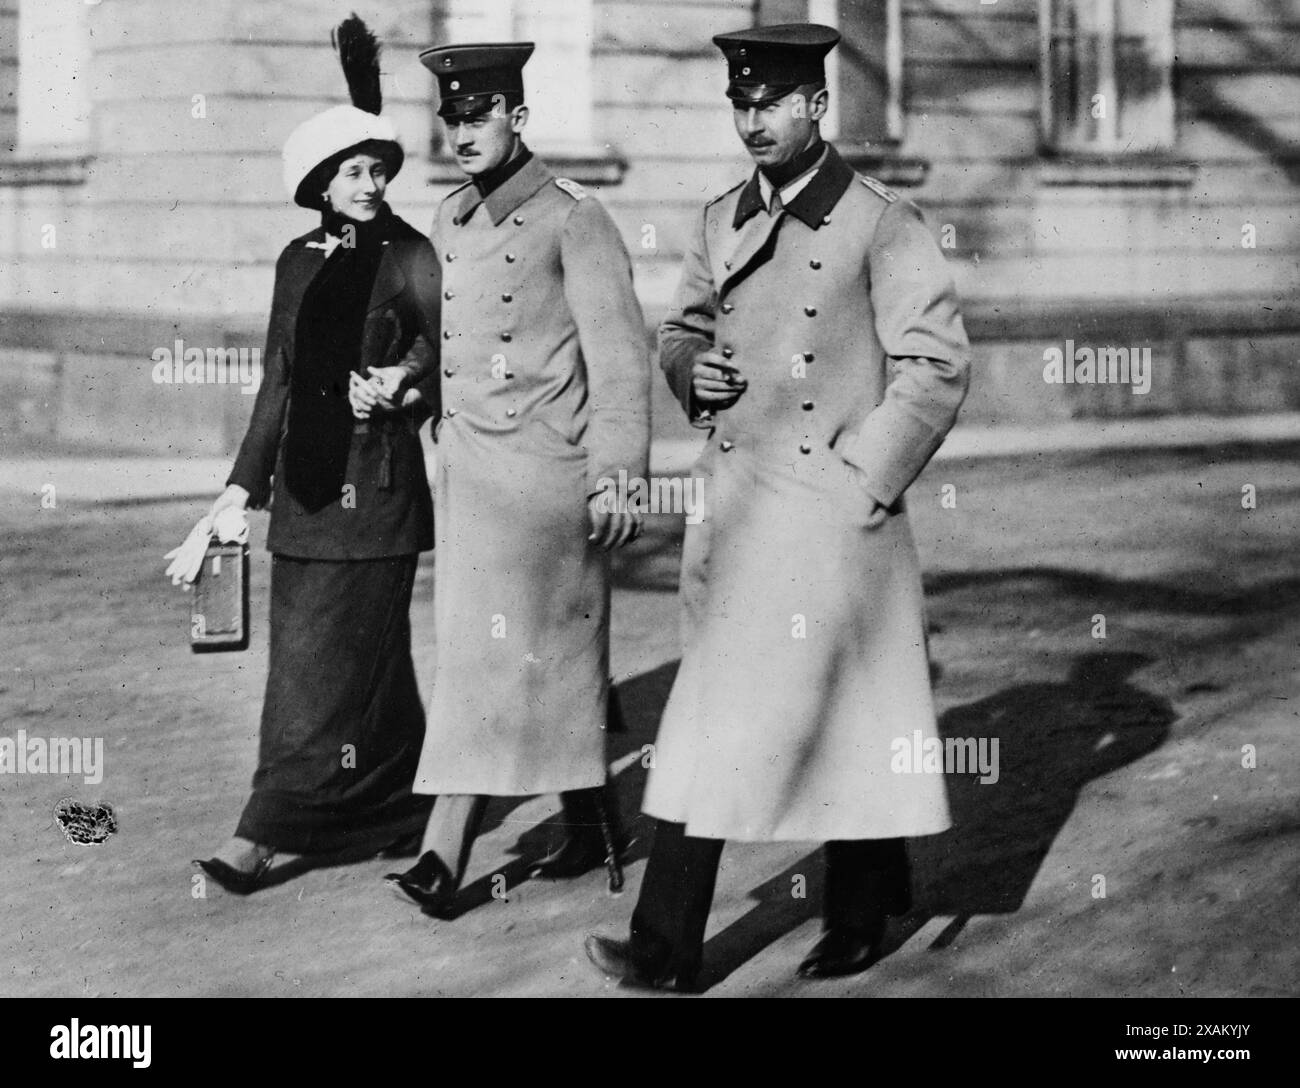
(342, 723)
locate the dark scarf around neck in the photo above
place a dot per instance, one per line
(327, 348)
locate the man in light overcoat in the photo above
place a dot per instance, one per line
(816, 334)
(545, 395)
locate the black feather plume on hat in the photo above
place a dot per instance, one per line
(358, 51)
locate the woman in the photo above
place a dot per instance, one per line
(342, 722)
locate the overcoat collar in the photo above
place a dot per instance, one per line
(814, 201)
(752, 240)
(507, 197)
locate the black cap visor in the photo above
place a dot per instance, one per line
(472, 106)
(757, 95)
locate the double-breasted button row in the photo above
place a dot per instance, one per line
(497, 360)
(450, 412)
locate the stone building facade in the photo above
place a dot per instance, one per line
(1104, 174)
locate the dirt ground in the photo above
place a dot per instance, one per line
(1123, 764)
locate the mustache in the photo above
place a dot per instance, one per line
(466, 150)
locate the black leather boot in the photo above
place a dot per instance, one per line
(633, 967)
(595, 838)
(866, 882)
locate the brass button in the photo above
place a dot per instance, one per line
(805, 448)
(726, 445)
(807, 406)
(811, 311)
(506, 337)
(450, 257)
(507, 298)
(509, 374)
(814, 265)
(450, 412)
(807, 356)
(446, 334)
(449, 372)
(510, 258)
(519, 220)
(511, 413)
(726, 265)
(727, 307)
(448, 295)
(727, 353)
(826, 219)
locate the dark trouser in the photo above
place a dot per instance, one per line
(865, 880)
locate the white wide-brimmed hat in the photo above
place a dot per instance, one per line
(315, 148)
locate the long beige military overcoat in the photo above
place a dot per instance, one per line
(804, 655)
(545, 390)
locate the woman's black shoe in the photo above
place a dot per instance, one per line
(429, 882)
(237, 881)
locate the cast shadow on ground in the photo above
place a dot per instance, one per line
(1053, 739)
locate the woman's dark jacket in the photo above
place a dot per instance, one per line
(383, 508)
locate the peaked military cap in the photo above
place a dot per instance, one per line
(765, 63)
(473, 78)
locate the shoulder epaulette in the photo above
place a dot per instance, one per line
(572, 188)
(879, 188)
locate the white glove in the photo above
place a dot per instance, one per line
(230, 527)
(187, 560)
